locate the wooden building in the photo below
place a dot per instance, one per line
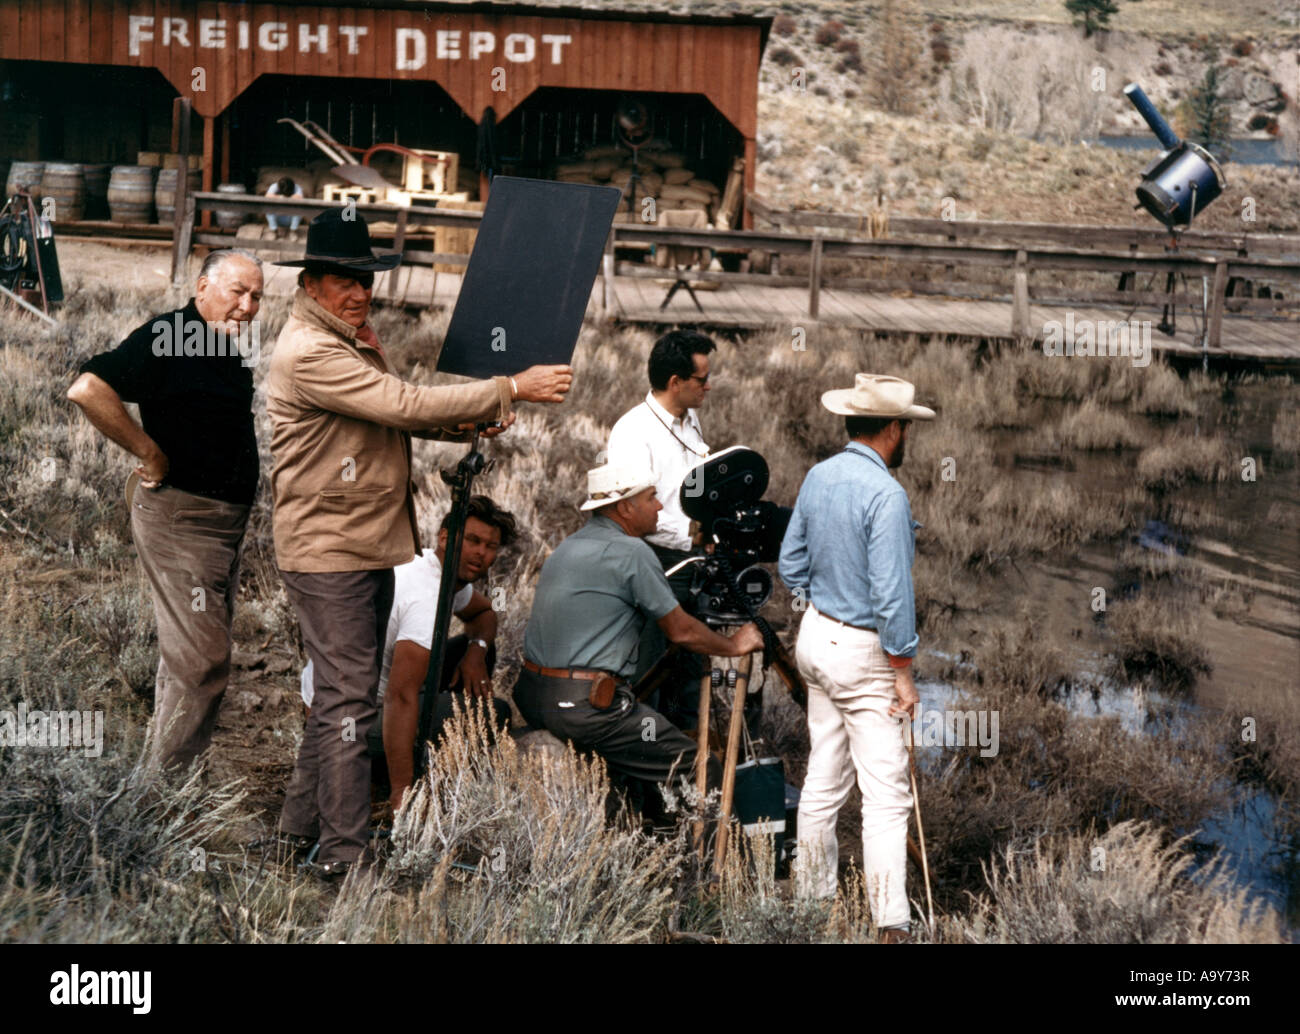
(93, 80)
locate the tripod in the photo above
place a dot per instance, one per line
(461, 480)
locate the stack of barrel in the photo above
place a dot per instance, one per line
(165, 185)
(130, 193)
(24, 176)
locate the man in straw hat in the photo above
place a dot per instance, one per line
(848, 554)
(595, 593)
(341, 426)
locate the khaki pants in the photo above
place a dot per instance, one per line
(189, 549)
(344, 620)
(853, 737)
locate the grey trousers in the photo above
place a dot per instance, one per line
(636, 741)
(189, 549)
(344, 618)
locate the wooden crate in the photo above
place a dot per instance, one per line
(335, 192)
(453, 240)
(438, 179)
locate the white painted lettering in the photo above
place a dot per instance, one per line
(519, 46)
(320, 37)
(448, 44)
(556, 43)
(412, 49)
(212, 33)
(273, 35)
(481, 43)
(352, 32)
(139, 29)
(178, 29)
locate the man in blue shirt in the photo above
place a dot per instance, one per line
(847, 555)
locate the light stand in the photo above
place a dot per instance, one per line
(461, 481)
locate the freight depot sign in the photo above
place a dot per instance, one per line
(212, 52)
(410, 45)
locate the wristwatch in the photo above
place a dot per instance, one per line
(479, 642)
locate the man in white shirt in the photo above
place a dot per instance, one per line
(405, 675)
(663, 433)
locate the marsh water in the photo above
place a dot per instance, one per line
(1244, 540)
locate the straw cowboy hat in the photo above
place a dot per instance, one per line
(333, 241)
(614, 481)
(874, 394)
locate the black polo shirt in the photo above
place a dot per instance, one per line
(198, 408)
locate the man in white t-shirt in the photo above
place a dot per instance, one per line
(405, 675)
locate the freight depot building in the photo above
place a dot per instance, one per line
(93, 82)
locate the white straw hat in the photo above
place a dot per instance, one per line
(615, 481)
(876, 395)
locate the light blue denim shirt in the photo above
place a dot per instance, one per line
(850, 544)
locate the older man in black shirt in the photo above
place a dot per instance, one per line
(190, 370)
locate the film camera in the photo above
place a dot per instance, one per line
(725, 495)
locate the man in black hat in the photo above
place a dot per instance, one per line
(341, 426)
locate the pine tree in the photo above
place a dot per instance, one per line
(1207, 113)
(1092, 14)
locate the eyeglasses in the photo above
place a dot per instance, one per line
(697, 377)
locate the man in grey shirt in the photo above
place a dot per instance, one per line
(595, 594)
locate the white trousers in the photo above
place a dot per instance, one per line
(850, 690)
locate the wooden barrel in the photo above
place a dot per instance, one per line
(96, 175)
(26, 175)
(227, 219)
(130, 194)
(165, 193)
(64, 183)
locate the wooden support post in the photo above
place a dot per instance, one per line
(607, 297)
(1214, 318)
(399, 243)
(815, 277)
(1020, 300)
(702, 754)
(209, 126)
(183, 241)
(183, 215)
(739, 689)
(225, 146)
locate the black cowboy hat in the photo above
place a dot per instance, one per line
(333, 240)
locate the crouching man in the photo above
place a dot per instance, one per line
(594, 595)
(405, 675)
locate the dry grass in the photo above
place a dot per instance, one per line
(1129, 886)
(564, 870)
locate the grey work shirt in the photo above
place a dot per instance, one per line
(595, 593)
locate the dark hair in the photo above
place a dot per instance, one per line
(866, 426)
(285, 186)
(485, 510)
(674, 355)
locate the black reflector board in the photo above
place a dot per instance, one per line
(529, 277)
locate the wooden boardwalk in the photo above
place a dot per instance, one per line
(754, 307)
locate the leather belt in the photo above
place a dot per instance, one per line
(860, 628)
(568, 673)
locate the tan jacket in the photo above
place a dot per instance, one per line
(340, 438)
